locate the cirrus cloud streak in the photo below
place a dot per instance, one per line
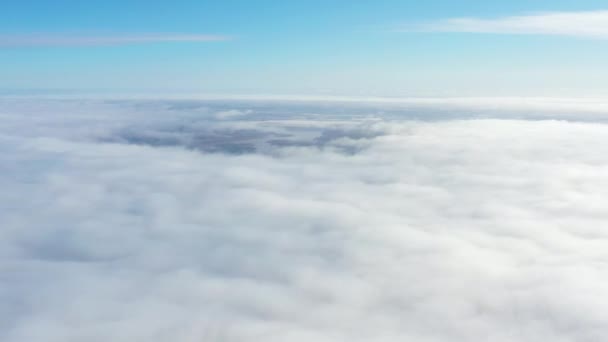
(583, 24)
(66, 40)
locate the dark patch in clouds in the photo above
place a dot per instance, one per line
(239, 141)
(238, 131)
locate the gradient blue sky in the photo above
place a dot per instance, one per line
(366, 48)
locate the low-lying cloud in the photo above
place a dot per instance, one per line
(465, 228)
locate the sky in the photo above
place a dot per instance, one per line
(300, 171)
(349, 48)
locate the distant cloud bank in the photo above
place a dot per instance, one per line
(587, 24)
(37, 40)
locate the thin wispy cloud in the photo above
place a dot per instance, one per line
(65, 40)
(587, 24)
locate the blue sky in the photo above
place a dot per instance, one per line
(359, 48)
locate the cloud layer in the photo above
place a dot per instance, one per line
(589, 24)
(50, 40)
(433, 226)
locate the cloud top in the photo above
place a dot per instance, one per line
(584, 24)
(66, 40)
(193, 225)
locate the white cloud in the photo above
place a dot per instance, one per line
(231, 114)
(587, 24)
(446, 230)
(45, 39)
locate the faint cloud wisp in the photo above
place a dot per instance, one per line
(584, 24)
(66, 40)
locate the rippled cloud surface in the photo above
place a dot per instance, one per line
(302, 221)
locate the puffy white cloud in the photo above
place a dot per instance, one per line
(354, 227)
(585, 24)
